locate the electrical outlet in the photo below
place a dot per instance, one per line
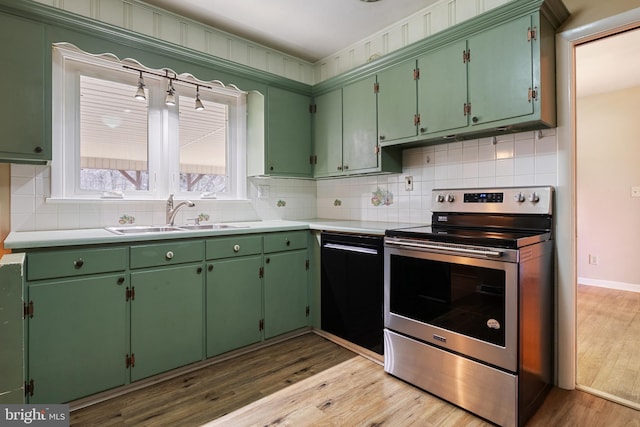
(408, 183)
(593, 260)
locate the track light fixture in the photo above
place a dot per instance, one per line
(170, 99)
(140, 92)
(199, 104)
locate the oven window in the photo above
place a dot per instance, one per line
(461, 298)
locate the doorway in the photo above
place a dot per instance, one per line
(607, 211)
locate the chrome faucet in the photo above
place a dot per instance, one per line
(172, 211)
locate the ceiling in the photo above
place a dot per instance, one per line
(608, 64)
(309, 30)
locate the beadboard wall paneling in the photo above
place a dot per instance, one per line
(158, 23)
(413, 28)
(155, 22)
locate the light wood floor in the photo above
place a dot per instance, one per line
(310, 381)
(608, 343)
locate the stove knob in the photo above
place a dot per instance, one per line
(450, 198)
(440, 198)
(534, 198)
(519, 197)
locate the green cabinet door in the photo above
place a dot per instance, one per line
(327, 134)
(285, 292)
(77, 340)
(166, 318)
(25, 136)
(234, 303)
(360, 129)
(442, 89)
(288, 134)
(397, 102)
(500, 72)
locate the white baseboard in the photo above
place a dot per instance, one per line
(621, 286)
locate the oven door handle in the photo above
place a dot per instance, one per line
(485, 252)
(349, 248)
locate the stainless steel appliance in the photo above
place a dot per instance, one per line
(468, 301)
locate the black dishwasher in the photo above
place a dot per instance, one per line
(352, 288)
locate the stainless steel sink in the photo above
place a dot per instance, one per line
(211, 226)
(141, 229)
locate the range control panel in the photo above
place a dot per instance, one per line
(521, 200)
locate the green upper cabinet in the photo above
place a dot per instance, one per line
(288, 134)
(345, 133)
(397, 102)
(359, 135)
(442, 89)
(501, 72)
(327, 134)
(26, 134)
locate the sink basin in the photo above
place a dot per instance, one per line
(142, 229)
(211, 226)
(135, 229)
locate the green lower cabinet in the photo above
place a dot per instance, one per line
(234, 303)
(167, 320)
(285, 292)
(77, 339)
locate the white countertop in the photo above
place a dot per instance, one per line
(95, 236)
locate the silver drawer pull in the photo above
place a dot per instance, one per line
(169, 255)
(236, 248)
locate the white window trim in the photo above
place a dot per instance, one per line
(162, 182)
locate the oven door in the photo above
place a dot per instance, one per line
(456, 300)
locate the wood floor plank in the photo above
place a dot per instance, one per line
(608, 341)
(310, 381)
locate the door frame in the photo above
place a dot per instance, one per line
(566, 208)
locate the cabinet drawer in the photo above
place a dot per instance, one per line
(166, 254)
(285, 241)
(229, 247)
(76, 262)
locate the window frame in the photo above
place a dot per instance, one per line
(68, 63)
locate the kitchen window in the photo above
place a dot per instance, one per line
(109, 145)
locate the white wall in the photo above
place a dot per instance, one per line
(608, 165)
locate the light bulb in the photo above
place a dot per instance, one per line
(170, 99)
(199, 104)
(140, 92)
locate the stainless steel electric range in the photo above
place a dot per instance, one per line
(468, 301)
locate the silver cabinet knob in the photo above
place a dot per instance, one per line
(169, 255)
(236, 248)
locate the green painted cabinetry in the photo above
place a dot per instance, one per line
(24, 121)
(502, 72)
(167, 306)
(288, 134)
(166, 318)
(345, 133)
(234, 293)
(286, 277)
(397, 102)
(327, 134)
(442, 89)
(77, 336)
